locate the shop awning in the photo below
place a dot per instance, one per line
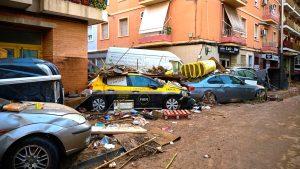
(154, 18)
(234, 19)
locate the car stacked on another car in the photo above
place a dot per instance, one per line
(33, 137)
(146, 92)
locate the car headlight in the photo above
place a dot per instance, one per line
(75, 117)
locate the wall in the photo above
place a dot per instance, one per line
(65, 45)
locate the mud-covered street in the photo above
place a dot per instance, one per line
(261, 136)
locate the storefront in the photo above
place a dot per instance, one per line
(228, 55)
(269, 61)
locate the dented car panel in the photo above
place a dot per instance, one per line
(53, 119)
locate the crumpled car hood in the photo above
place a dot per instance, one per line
(48, 108)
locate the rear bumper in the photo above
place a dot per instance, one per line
(75, 138)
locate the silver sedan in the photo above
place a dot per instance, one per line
(40, 134)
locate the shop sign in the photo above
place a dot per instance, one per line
(233, 50)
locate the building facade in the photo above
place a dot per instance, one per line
(291, 37)
(237, 32)
(54, 30)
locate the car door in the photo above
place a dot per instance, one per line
(142, 93)
(216, 85)
(232, 89)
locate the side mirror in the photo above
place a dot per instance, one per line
(153, 86)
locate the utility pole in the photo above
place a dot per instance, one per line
(281, 75)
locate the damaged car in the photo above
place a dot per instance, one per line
(39, 135)
(221, 88)
(146, 92)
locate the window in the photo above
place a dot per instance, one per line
(25, 53)
(10, 52)
(230, 79)
(297, 63)
(244, 24)
(104, 31)
(256, 3)
(107, 2)
(241, 73)
(256, 30)
(215, 80)
(249, 74)
(141, 81)
(117, 81)
(90, 34)
(123, 27)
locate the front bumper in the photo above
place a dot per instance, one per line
(75, 138)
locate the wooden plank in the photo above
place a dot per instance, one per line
(119, 129)
(163, 137)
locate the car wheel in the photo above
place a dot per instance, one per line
(261, 95)
(33, 153)
(172, 103)
(99, 104)
(209, 98)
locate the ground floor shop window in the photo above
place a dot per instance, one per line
(25, 53)
(297, 63)
(225, 62)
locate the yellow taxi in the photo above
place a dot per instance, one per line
(146, 92)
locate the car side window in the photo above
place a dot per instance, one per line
(116, 81)
(249, 74)
(215, 80)
(241, 73)
(230, 80)
(140, 81)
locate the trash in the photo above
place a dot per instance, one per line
(174, 122)
(107, 117)
(171, 161)
(112, 165)
(206, 156)
(140, 121)
(104, 140)
(96, 144)
(118, 129)
(206, 107)
(167, 129)
(100, 124)
(109, 146)
(171, 142)
(134, 112)
(196, 111)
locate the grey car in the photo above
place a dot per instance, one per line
(40, 134)
(225, 88)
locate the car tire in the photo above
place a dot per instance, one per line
(172, 103)
(99, 103)
(209, 98)
(33, 151)
(261, 95)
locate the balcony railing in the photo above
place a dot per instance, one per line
(291, 45)
(150, 2)
(269, 47)
(230, 36)
(236, 3)
(292, 24)
(270, 16)
(294, 5)
(156, 39)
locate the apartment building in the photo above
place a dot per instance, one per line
(291, 37)
(54, 30)
(237, 32)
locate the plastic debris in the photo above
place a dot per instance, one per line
(167, 129)
(206, 156)
(109, 146)
(105, 140)
(112, 165)
(206, 107)
(139, 121)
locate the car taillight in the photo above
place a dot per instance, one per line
(191, 88)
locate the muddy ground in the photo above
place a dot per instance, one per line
(235, 136)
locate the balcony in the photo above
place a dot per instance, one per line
(270, 16)
(21, 4)
(292, 27)
(269, 47)
(291, 45)
(78, 9)
(158, 39)
(292, 8)
(230, 36)
(236, 3)
(150, 2)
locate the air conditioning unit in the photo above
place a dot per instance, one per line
(264, 2)
(264, 32)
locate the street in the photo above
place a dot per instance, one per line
(258, 136)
